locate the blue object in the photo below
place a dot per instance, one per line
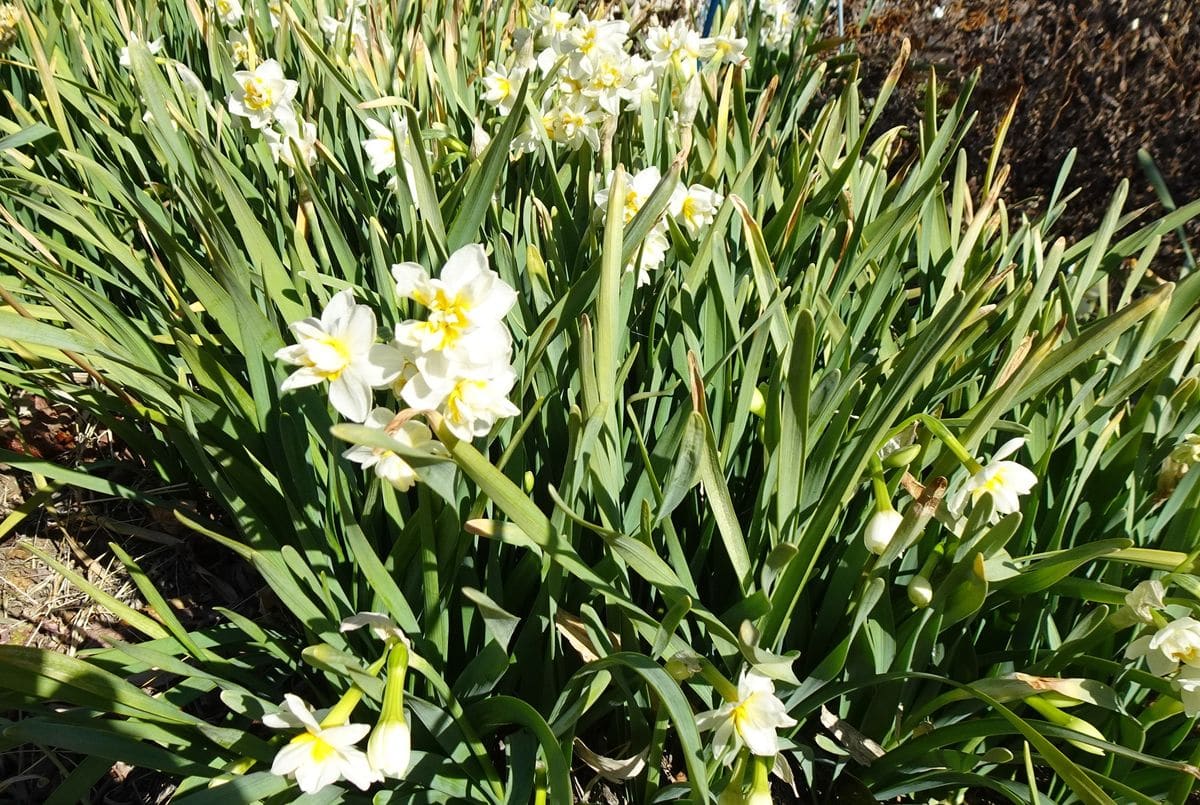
(709, 16)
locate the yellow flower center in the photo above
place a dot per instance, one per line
(688, 210)
(633, 203)
(503, 86)
(343, 353)
(320, 750)
(454, 401)
(449, 316)
(588, 43)
(258, 96)
(1188, 655)
(741, 713)
(992, 484)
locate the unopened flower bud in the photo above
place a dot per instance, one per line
(920, 591)
(881, 528)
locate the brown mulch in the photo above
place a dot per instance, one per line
(1107, 77)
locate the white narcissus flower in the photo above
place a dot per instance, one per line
(1145, 598)
(153, 46)
(263, 95)
(381, 625)
(241, 48)
(751, 721)
(229, 11)
(695, 207)
(574, 123)
(321, 756)
(1005, 481)
(1188, 685)
(382, 152)
(727, 48)
(389, 466)
(466, 306)
(638, 187)
(501, 86)
(1174, 645)
(469, 398)
(881, 529)
(340, 348)
(291, 136)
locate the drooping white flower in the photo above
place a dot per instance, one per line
(751, 721)
(389, 749)
(1176, 644)
(229, 11)
(466, 305)
(380, 624)
(501, 86)
(320, 756)
(154, 46)
(340, 348)
(1188, 685)
(1005, 481)
(290, 136)
(695, 207)
(381, 148)
(881, 529)
(1145, 598)
(263, 95)
(352, 29)
(389, 466)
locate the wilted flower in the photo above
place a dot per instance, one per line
(751, 721)
(1176, 644)
(1005, 481)
(389, 466)
(340, 348)
(321, 756)
(1144, 599)
(881, 528)
(263, 95)
(1176, 465)
(381, 625)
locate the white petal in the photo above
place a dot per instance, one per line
(1008, 448)
(465, 266)
(291, 758)
(350, 396)
(301, 378)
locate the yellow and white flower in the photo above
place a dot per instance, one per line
(470, 398)
(1173, 646)
(389, 466)
(228, 11)
(501, 86)
(749, 722)
(695, 207)
(726, 48)
(638, 188)
(241, 48)
(1006, 481)
(321, 755)
(340, 348)
(263, 95)
(381, 148)
(381, 625)
(466, 306)
(779, 23)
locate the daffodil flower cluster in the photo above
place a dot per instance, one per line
(595, 73)
(456, 361)
(779, 21)
(693, 207)
(325, 751)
